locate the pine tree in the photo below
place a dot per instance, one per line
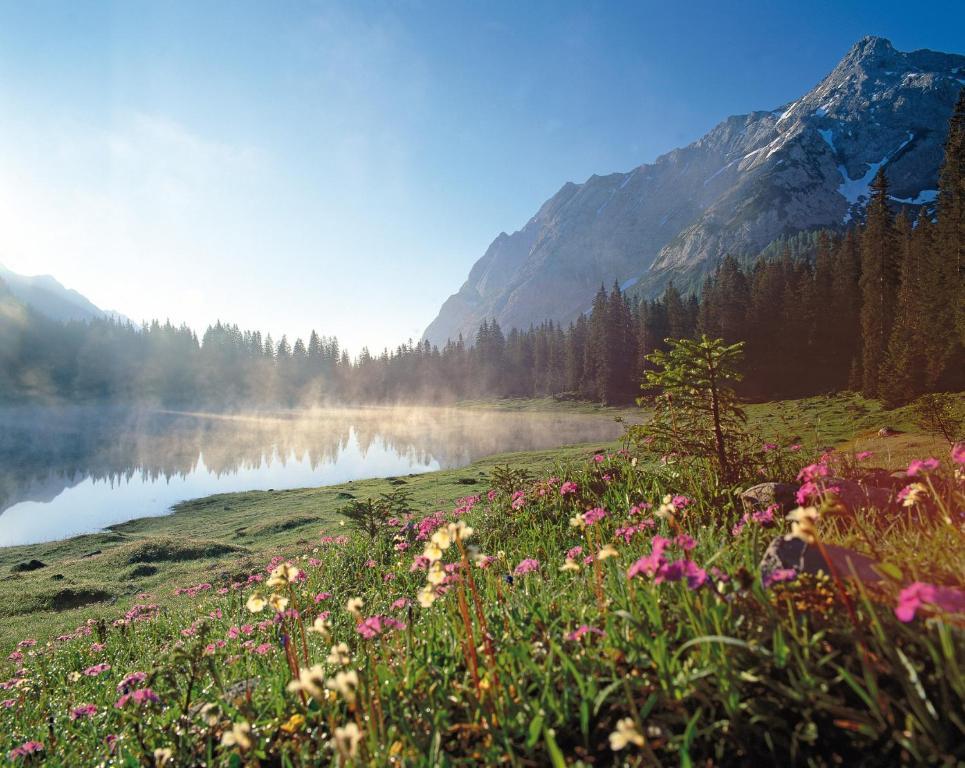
(879, 285)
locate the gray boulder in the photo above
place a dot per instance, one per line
(786, 552)
(763, 495)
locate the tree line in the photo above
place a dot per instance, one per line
(877, 308)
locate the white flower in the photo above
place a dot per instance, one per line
(344, 683)
(237, 736)
(339, 655)
(625, 734)
(346, 740)
(354, 606)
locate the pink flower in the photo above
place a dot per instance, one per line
(794, 448)
(862, 455)
(568, 487)
(768, 447)
(141, 697)
(491, 495)
(685, 542)
(97, 669)
(915, 595)
(370, 563)
(922, 465)
(28, 643)
(648, 564)
(402, 602)
(263, 649)
(681, 501)
(526, 566)
(585, 629)
(131, 680)
(958, 453)
(574, 552)
(594, 515)
(519, 499)
(16, 656)
(599, 457)
(8, 703)
(26, 749)
(322, 596)
(812, 472)
(84, 710)
(374, 626)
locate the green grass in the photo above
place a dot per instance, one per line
(733, 673)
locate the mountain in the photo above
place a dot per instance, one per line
(751, 180)
(50, 298)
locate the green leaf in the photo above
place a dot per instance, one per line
(535, 729)
(890, 570)
(556, 754)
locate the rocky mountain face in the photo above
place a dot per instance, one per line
(751, 180)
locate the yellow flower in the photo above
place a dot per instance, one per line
(354, 606)
(344, 683)
(578, 521)
(346, 741)
(256, 603)
(432, 552)
(278, 603)
(570, 565)
(311, 681)
(436, 574)
(427, 596)
(237, 736)
(162, 756)
(608, 551)
(625, 734)
(339, 655)
(282, 576)
(294, 722)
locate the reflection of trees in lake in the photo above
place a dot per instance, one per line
(44, 450)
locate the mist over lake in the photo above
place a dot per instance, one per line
(72, 470)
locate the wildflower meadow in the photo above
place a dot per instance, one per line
(614, 612)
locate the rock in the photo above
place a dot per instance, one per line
(883, 478)
(786, 552)
(764, 494)
(29, 565)
(92, 553)
(854, 495)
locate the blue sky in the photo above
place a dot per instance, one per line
(341, 165)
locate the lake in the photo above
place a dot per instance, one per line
(67, 471)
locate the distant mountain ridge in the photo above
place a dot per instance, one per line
(752, 179)
(48, 297)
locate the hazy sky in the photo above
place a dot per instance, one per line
(341, 165)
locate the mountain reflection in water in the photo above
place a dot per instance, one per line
(65, 471)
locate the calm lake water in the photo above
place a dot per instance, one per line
(65, 471)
